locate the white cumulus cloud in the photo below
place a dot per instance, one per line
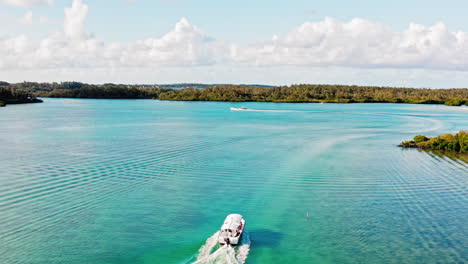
(361, 43)
(27, 3)
(185, 45)
(358, 43)
(75, 17)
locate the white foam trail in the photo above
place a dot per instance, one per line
(281, 111)
(242, 251)
(224, 254)
(435, 125)
(209, 245)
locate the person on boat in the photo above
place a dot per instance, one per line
(239, 230)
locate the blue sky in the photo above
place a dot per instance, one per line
(239, 20)
(231, 41)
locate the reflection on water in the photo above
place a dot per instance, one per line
(460, 158)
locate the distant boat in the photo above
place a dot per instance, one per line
(231, 230)
(238, 109)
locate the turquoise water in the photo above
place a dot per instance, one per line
(143, 181)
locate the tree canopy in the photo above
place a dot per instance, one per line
(302, 93)
(83, 90)
(448, 142)
(15, 96)
(305, 93)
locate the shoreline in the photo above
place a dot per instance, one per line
(4, 103)
(274, 102)
(299, 93)
(456, 143)
(433, 150)
(300, 102)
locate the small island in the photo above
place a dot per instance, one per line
(453, 143)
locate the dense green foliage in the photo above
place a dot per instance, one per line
(107, 92)
(456, 102)
(245, 93)
(14, 96)
(447, 142)
(82, 90)
(321, 93)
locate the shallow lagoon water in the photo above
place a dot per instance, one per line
(144, 181)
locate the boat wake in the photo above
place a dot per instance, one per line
(211, 252)
(275, 111)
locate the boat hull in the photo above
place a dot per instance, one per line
(233, 239)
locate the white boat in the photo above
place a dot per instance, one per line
(231, 230)
(238, 109)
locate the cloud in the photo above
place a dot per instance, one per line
(358, 43)
(13, 51)
(27, 3)
(183, 46)
(361, 43)
(27, 19)
(70, 48)
(75, 17)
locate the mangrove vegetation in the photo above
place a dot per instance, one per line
(15, 96)
(447, 142)
(83, 90)
(303, 93)
(320, 93)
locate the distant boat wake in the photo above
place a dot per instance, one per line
(284, 111)
(435, 124)
(223, 254)
(272, 111)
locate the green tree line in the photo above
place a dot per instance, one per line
(447, 142)
(321, 93)
(303, 93)
(83, 90)
(10, 95)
